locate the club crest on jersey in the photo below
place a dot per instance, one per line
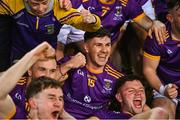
(118, 14)
(50, 28)
(107, 85)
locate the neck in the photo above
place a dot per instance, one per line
(94, 69)
(175, 34)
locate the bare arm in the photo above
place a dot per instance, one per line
(9, 78)
(76, 61)
(153, 26)
(59, 51)
(149, 70)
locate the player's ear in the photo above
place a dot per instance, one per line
(32, 102)
(118, 97)
(85, 47)
(169, 17)
(30, 72)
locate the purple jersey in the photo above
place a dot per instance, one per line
(168, 53)
(113, 15)
(87, 91)
(107, 114)
(18, 96)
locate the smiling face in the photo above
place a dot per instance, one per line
(98, 50)
(48, 104)
(38, 7)
(132, 97)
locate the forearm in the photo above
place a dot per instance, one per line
(9, 78)
(145, 22)
(152, 78)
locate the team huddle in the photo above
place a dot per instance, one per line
(42, 78)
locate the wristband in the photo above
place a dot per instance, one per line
(162, 89)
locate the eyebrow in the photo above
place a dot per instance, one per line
(53, 95)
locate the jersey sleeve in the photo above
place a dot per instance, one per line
(152, 49)
(74, 18)
(10, 7)
(134, 10)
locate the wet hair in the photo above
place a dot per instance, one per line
(40, 84)
(99, 33)
(173, 3)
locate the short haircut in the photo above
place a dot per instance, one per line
(173, 3)
(99, 33)
(124, 79)
(40, 84)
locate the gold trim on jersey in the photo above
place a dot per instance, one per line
(124, 2)
(152, 57)
(113, 72)
(94, 71)
(11, 114)
(107, 3)
(69, 16)
(85, 0)
(139, 17)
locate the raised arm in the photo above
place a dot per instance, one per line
(76, 61)
(9, 78)
(153, 26)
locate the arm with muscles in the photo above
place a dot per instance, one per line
(149, 69)
(76, 61)
(152, 26)
(59, 50)
(9, 78)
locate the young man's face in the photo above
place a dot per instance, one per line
(98, 50)
(39, 7)
(44, 68)
(49, 103)
(132, 97)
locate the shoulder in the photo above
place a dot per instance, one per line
(110, 69)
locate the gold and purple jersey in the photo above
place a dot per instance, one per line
(87, 91)
(113, 15)
(31, 30)
(21, 109)
(168, 55)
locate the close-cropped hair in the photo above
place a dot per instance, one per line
(40, 84)
(173, 3)
(99, 33)
(124, 79)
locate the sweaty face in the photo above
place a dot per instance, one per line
(49, 103)
(38, 7)
(44, 68)
(132, 97)
(98, 50)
